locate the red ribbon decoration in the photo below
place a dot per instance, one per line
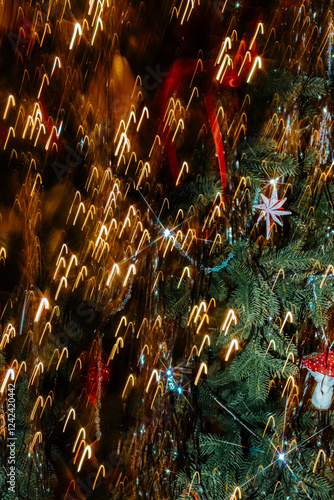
(214, 125)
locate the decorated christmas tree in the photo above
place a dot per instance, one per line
(166, 250)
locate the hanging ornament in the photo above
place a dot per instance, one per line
(321, 367)
(272, 207)
(96, 380)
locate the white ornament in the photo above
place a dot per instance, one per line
(271, 207)
(323, 392)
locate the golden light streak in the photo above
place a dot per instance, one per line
(268, 421)
(56, 311)
(157, 138)
(214, 211)
(235, 344)
(61, 262)
(71, 412)
(205, 339)
(20, 367)
(132, 115)
(45, 77)
(227, 62)
(234, 495)
(64, 247)
(278, 483)
(121, 124)
(156, 374)
(73, 259)
(157, 320)
(81, 206)
(171, 102)
(278, 274)
(142, 326)
(10, 100)
(34, 373)
(99, 6)
(287, 316)
(62, 280)
(190, 233)
(217, 237)
(199, 62)
(145, 170)
(205, 317)
(161, 388)
(54, 130)
(271, 342)
(77, 30)
(287, 359)
(145, 236)
(39, 401)
(320, 452)
(290, 379)
(98, 23)
(15, 364)
(144, 112)
(330, 268)
(11, 131)
(49, 398)
(193, 311)
(126, 221)
(4, 341)
(115, 268)
(10, 373)
(131, 270)
(180, 124)
(137, 81)
(83, 432)
(37, 178)
(98, 473)
(102, 230)
(123, 320)
(89, 180)
(87, 449)
(191, 4)
(195, 89)
(10, 330)
(228, 320)
(115, 348)
(184, 165)
(47, 28)
(106, 176)
(130, 378)
(226, 44)
(199, 373)
(259, 27)
(185, 270)
(179, 212)
(56, 62)
(44, 304)
(123, 140)
(37, 435)
(3, 255)
(65, 350)
(74, 367)
(68, 489)
(257, 63)
(246, 56)
(194, 348)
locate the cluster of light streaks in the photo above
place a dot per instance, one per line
(122, 239)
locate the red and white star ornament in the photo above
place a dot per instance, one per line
(272, 207)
